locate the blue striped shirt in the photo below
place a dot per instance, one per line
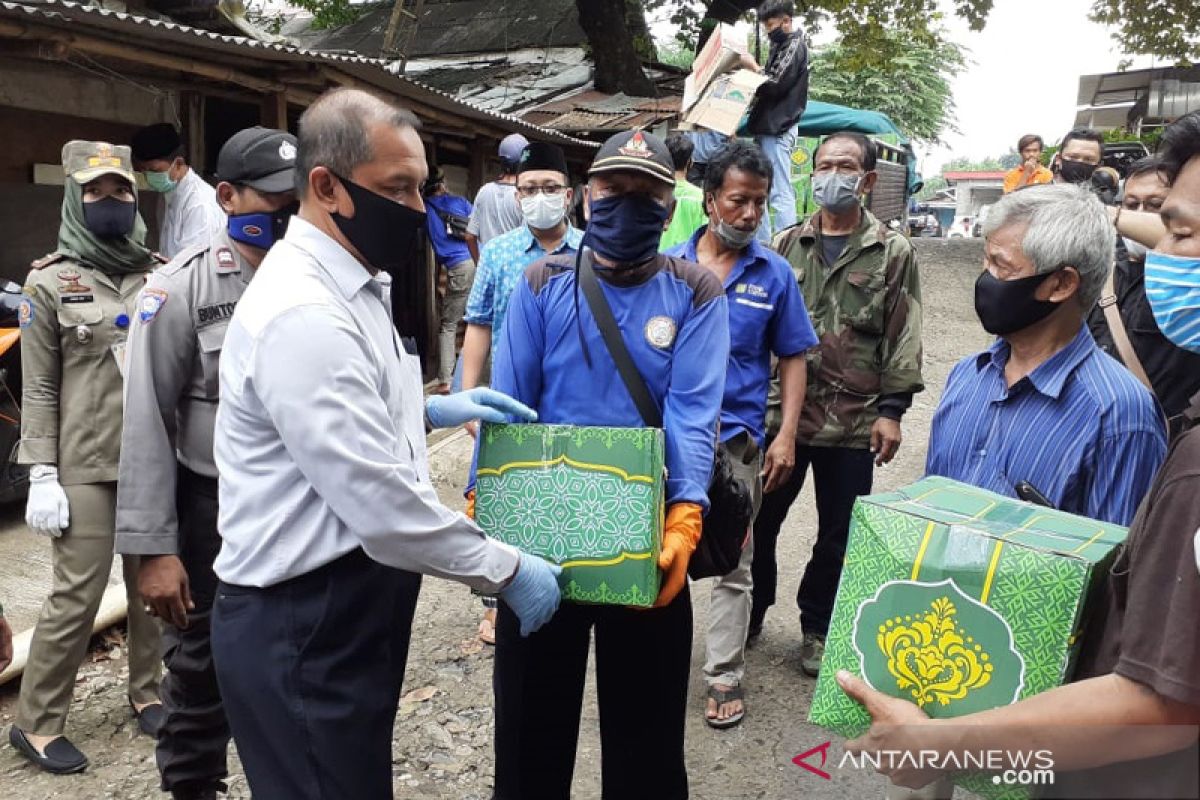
(1079, 428)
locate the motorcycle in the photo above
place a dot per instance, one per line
(14, 477)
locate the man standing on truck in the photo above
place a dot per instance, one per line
(779, 104)
(859, 281)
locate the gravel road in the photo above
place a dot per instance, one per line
(442, 743)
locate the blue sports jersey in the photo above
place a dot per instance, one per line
(674, 319)
(766, 315)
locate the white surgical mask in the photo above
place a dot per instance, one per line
(544, 211)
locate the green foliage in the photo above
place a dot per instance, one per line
(1148, 137)
(968, 165)
(1010, 159)
(676, 55)
(931, 187)
(912, 84)
(1163, 28)
(332, 13)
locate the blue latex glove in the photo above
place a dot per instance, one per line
(533, 593)
(447, 411)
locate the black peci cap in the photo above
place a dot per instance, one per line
(261, 158)
(637, 151)
(156, 141)
(542, 155)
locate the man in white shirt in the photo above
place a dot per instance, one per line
(193, 214)
(326, 505)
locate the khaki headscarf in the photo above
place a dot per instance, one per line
(123, 256)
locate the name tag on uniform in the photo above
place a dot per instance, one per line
(77, 298)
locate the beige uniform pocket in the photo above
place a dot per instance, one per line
(81, 329)
(212, 339)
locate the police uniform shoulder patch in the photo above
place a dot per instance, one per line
(150, 303)
(47, 260)
(660, 332)
(25, 312)
(226, 261)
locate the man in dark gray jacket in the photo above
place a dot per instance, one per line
(779, 105)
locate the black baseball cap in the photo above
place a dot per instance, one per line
(261, 158)
(636, 151)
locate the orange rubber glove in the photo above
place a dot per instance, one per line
(681, 534)
(470, 511)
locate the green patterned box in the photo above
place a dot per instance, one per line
(959, 600)
(589, 499)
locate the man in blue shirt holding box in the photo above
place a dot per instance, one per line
(673, 317)
(766, 317)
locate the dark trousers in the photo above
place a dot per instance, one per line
(311, 671)
(840, 474)
(642, 666)
(192, 744)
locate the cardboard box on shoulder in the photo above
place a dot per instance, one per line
(720, 54)
(589, 499)
(959, 600)
(725, 103)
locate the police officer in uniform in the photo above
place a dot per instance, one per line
(75, 318)
(167, 497)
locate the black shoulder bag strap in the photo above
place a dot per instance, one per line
(634, 382)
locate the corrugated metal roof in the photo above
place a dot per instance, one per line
(454, 26)
(64, 14)
(591, 110)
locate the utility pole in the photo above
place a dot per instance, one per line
(401, 30)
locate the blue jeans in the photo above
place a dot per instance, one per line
(782, 200)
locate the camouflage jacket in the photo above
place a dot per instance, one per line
(866, 309)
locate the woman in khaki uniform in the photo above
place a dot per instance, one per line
(74, 318)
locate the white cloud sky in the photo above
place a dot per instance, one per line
(1023, 76)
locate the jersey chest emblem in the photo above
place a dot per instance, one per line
(660, 332)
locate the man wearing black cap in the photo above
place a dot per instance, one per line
(167, 485)
(192, 211)
(673, 317)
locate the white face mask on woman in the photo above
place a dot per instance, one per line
(544, 211)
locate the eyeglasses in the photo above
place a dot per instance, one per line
(551, 190)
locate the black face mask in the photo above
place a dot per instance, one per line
(383, 231)
(1006, 307)
(110, 218)
(1075, 171)
(778, 36)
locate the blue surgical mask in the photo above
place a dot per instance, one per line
(261, 230)
(834, 191)
(1173, 289)
(160, 181)
(626, 228)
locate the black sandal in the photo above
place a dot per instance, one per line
(723, 696)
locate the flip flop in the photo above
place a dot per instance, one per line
(723, 696)
(487, 629)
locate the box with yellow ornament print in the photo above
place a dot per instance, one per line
(587, 498)
(959, 600)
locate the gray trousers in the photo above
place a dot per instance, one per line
(729, 606)
(82, 559)
(459, 278)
